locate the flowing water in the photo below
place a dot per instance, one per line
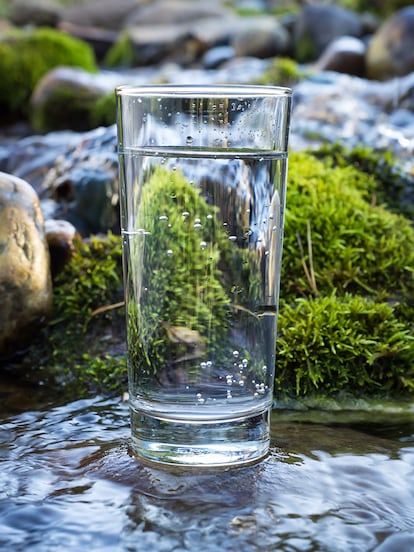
(333, 482)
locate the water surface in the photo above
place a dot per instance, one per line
(332, 482)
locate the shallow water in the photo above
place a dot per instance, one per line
(332, 482)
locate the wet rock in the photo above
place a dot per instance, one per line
(88, 198)
(26, 12)
(391, 50)
(65, 99)
(214, 57)
(104, 14)
(318, 25)
(158, 43)
(344, 55)
(61, 237)
(100, 40)
(173, 12)
(263, 38)
(25, 282)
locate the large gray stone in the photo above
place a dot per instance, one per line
(25, 281)
(391, 50)
(319, 24)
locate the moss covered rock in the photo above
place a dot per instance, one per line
(67, 98)
(26, 55)
(338, 238)
(346, 321)
(331, 344)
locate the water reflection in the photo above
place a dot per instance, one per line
(68, 480)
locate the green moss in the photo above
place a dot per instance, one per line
(184, 289)
(305, 49)
(382, 8)
(346, 322)
(83, 347)
(348, 243)
(122, 53)
(331, 343)
(104, 111)
(27, 55)
(388, 183)
(282, 71)
(68, 108)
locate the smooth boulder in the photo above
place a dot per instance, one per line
(391, 51)
(25, 280)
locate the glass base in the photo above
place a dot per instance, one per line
(222, 443)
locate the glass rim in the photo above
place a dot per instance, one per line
(203, 90)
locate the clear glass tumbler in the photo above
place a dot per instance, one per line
(202, 193)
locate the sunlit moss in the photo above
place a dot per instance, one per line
(332, 343)
(83, 347)
(346, 320)
(337, 234)
(26, 55)
(282, 71)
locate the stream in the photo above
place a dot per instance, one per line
(333, 481)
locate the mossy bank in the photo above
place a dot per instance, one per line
(347, 292)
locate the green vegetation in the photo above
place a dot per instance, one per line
(26, 55)
(76, 108)
(357, 245)
(330, 344)
(346, 321)
(83, 347)
(282, 71)
(382, 8)
(122, 53)
(184, 289)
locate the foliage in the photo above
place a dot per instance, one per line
(68, 108)
(383, 8)
(351, 342)
(333, 227)
(346, 321)
(83, 345)
(121, 53)
(103, 112)
(26, 55)
(389, 184)
(182, 279)
(282, 71)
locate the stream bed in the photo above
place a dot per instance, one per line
(334, 481)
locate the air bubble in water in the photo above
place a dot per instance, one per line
(185, 214)
(163, 217)
(197, 226)
(203, 365)
(209, 217)
(203, 245)
(200, 398)
(169, 252)
(245, 362)
(209, 364)
(189, 140)
(229, 379)
(232, 238)
(229, 395)
(236, 354)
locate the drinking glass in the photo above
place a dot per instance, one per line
(202, 194)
